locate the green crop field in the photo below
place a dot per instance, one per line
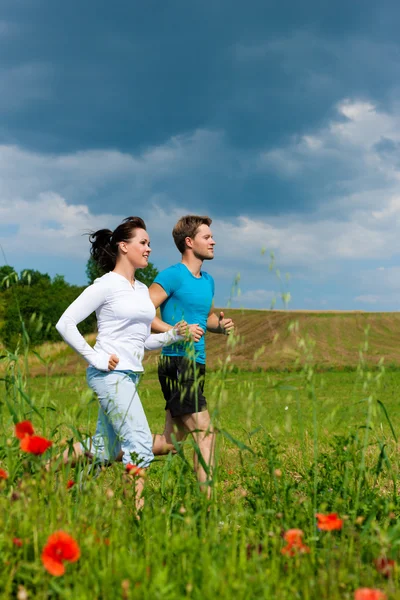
(316, 433)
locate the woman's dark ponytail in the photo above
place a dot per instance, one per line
(104, 250)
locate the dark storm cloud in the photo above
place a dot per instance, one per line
(132, 76)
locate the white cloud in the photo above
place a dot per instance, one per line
(360, 217)
(66, 239)
(255, 298)
(367, 299)
(347, 152)
(36, 189)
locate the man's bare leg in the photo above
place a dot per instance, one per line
(199, 424)
(69, 457)
(162, 444)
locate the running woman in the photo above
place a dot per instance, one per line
(124, 314)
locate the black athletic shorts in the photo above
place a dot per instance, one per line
(182, 383)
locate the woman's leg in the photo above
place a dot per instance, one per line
(104, 444)
(120, 402)
(101, 446)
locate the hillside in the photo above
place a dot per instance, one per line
(336, 338)
(268, 339)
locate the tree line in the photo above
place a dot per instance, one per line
(31, 302)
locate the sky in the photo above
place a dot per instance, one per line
(280, 120)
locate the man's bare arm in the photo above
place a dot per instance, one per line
(218, 324)
(158, 295)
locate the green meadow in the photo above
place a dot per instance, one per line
(299, 432)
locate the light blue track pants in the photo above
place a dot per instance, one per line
(121, 423)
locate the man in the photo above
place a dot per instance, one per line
(184, 291)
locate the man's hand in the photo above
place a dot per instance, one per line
(112, 362)
(193, 332)
(226, 325)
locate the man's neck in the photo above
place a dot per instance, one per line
(193, 263)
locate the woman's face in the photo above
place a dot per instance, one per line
(137, 249)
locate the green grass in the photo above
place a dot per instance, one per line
(289, 445)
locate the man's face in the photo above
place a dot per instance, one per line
(203, 243)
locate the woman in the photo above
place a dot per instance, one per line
(124, 314)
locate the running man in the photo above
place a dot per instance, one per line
(184, 291)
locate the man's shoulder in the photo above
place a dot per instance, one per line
(170, 278)
(170, 273)
(172, 269)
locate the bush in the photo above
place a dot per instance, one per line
(34, 303)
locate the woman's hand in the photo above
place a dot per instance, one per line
(181, 328)
(112, 362)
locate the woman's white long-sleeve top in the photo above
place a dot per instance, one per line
(124, 315)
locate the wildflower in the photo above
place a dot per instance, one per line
(329, 522)
(17, 542)
(369, 594)
(135, 470)
(23, 428)
(60, 547)
(70, 484)
(3, 474)
(385, 566)
(293, 537)
(35, 444)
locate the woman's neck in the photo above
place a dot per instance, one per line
(126, 271)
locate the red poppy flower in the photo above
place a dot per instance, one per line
(329, 522)
(35, 444)
(17, 542)
(3, 474)
(70, 484)
(135, 470)
(24, 428)
(60, 547)
(385, 566)
(369, 594)
(294, 544)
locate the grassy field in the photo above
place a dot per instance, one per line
(290, 444)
